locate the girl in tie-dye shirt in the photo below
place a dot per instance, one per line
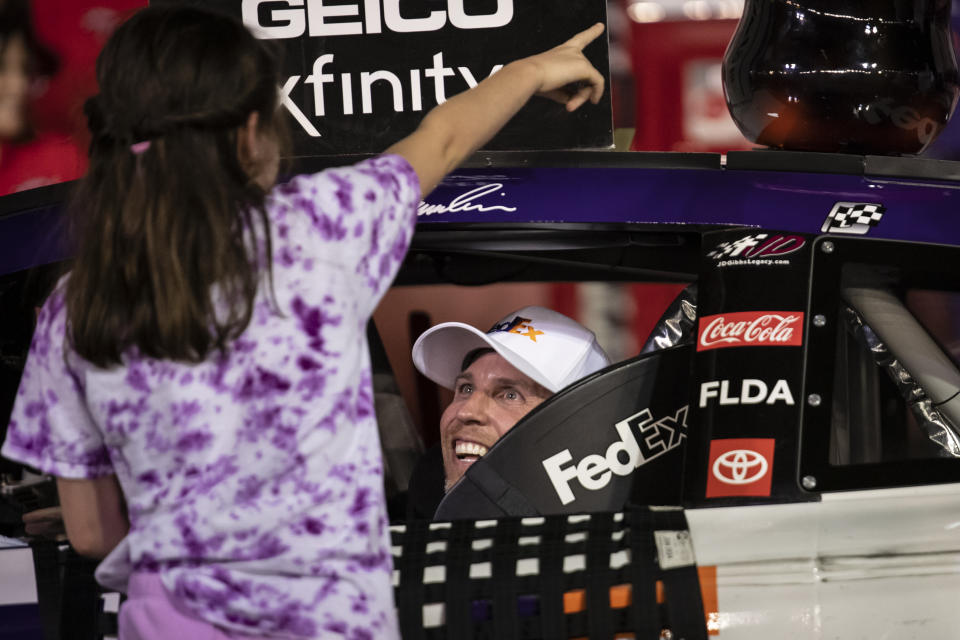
(199, 383)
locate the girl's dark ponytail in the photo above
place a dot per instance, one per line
(171, 232)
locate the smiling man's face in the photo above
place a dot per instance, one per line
(490, 396)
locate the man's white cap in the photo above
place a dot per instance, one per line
(547, 346)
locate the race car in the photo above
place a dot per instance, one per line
(779, 457)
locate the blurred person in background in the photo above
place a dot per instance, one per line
(28, 159)
(75, 31)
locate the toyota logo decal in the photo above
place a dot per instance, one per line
(740, 466)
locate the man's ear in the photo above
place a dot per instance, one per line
(248, 145)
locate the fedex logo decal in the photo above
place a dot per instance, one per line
(740, 467)
(751, 329)
(517, 325)
(642, 439)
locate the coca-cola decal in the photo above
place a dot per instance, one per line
(740, 467)
(751, 329)
(757, 249)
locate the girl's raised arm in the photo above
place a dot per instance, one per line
(459, 126)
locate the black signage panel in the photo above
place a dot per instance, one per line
(748, 369)
(361, 74)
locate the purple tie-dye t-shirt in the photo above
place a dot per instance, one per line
(254, 479)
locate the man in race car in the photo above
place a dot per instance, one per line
(499, 376)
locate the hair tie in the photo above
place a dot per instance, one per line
(139, 147)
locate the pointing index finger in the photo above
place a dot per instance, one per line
(585, 37)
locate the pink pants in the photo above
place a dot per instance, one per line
(149, 613)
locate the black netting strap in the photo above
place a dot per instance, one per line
(600, 546)
(49, 576)
(409, 563)
(458, 610)
(681, 583)
(552, 618)
(644, 613)
(108, 624)
(81, 603)
(505, 579)
(548, 577)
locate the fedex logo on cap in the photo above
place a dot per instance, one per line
(519, 326)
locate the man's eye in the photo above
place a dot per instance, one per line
(465, 388)
(510, 394)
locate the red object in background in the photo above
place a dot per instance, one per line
(76, 31)
(652, 301)
(563, 299)
(43, 161)
(680, 106)
(679, 94)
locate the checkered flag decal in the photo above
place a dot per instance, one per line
(853, 217)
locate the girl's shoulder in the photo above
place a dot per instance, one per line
(389, 175)
(350, 205)
(52, 314)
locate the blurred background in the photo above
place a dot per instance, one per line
(48, 49)
(665, 79)
(665, 60)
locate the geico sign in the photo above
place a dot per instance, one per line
(314, 16)
(751, 392)
(653, 439)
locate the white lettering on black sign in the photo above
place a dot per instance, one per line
(320, 78)
(278, 20)
(751, 392)
(313, 17)
(642, 439)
